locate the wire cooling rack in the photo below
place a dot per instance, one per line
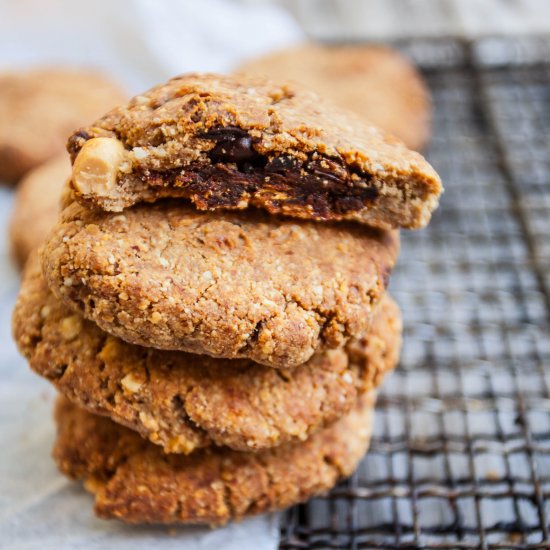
(460, 456)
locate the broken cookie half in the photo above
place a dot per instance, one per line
(230, 142)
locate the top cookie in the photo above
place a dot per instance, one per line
(239, 141)
(226, 284)
(40, 108)
(377, 83)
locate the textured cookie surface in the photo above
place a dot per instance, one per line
(239, 141)
(37, 206)
(40, 108)
(135, 482)
(183, 401)
(224, 284)
(375, 82)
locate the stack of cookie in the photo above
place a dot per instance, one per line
(211, 304)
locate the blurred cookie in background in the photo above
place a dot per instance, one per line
(40, 108)
(375, 82)
(36, 206)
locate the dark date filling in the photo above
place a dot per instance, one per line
(323, 185)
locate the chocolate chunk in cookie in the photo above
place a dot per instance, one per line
(230, 142)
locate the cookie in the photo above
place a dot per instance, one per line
(183, 401)
(239, 141)
(377, 83)
(224, 284)
(40, 108)
(36, 207)
(133, 480)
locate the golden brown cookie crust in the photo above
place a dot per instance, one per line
(378, 83)
(39, 108)
(225, 284)
(230, 142)
(133, 481)
(182, 401)
(36, 207)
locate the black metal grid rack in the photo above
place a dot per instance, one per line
(460, 456)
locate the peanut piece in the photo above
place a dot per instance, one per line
(70, 327)
(132, 382)
(96, 166)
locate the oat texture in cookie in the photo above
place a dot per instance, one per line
(39, 108)
(232, 285)
(133, 480)
(376, 82)
(230, 142)
(183, 401)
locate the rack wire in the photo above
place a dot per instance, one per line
(460, 456)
